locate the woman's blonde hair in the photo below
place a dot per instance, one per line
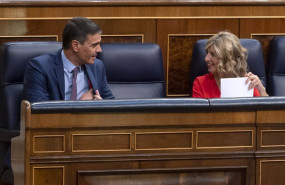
(232, 56)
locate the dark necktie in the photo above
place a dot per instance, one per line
(74, 85)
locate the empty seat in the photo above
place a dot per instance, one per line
(134, 70)
(276, 67)
(13, 59)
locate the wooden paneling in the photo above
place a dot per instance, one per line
(101, 142)
(128, 119)
(190, 10)
(270, 117)
(48, 143)
(48, 175)
(272, 138)
(175, 172)
(135, 38)
(159, 154)
(180, 48)
(32, 27)
(27, 38)
(117, 30)
(144, 27)
(163, 177)
(225, 139)
(164, 141)
(261, 26)
(127, 147)
(272, 172)
(138, 3)
(263, 30)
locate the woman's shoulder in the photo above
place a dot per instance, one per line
(206, 77)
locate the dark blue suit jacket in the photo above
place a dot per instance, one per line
(44, 78)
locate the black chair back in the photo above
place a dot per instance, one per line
(276, 67)
(14, 57)
(134, 70)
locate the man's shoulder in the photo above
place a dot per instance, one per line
(98, 64)
(45, 59)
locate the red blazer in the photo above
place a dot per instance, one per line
(206, 87)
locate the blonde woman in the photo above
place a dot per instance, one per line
(226, 58)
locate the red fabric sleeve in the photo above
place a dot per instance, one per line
(197, 89)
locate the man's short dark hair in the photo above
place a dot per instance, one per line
(77, 29)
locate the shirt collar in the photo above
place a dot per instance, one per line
(67, 64)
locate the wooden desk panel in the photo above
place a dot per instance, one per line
(229, 148)
(119, 119)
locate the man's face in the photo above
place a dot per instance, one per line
(212, 60)
(88, 51)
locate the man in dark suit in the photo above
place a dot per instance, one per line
(73, 73)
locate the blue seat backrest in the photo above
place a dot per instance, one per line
(13, 59)
(255, 60)
(276, 67)
(134, 70)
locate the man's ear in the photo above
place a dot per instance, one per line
(75, 45)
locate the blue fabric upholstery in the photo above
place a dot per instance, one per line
(134, 70)
(13, 59)
(255, 60)
(276, 67)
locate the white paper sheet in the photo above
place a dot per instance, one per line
(235, 87)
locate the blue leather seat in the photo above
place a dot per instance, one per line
(13, 59)
(134, 70)
(255, 60)
(276, 67)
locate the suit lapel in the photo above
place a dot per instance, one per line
(60, 74)
(91, 77)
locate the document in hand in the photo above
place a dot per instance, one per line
(235, 87)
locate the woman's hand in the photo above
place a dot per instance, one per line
(255, 83)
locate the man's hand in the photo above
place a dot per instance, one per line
(97, 96)
(87, 95)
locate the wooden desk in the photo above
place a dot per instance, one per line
(123, 144)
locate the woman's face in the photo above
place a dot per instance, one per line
(212, 60)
